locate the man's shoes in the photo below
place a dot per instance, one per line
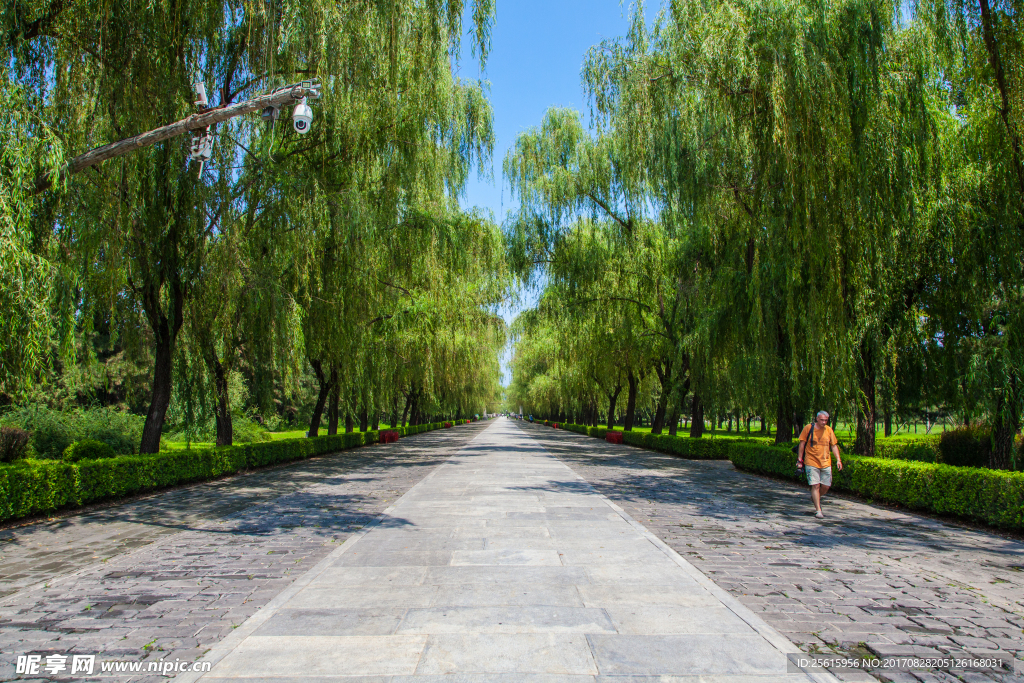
(819, 515)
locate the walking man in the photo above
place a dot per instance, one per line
(816, 440)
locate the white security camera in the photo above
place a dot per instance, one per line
(302, 117)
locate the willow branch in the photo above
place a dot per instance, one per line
(195, 122)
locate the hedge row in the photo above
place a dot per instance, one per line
(993, 497)
(683, 446)
(919, 450)
(32, 487)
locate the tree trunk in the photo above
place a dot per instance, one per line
(364, 419)
(405, 411)
(665, 379)
(1005, 425)
(696, 418)
(866, 408)
(627, 425)
(222, 410)
(394, 411)
(321, 399)
(673, 420)
(161, 394)
(613, 398)
(332, 410)
(222, 407)
(784, 416)
(349, 424)
(375, 427)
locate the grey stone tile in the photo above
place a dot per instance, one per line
(376, 621)
(322, 656)
(686, 654)
(519, 619)
(533, 653)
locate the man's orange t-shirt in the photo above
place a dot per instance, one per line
(819, 454)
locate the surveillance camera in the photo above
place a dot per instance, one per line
(302, 117)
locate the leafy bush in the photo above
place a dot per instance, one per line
(991, 496)
(919, 450)
(243, 430)
(683, 446)
(30, 487)
(13, 444)
(54, 430)
(965, 447)
(87, 449)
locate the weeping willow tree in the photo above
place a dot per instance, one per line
(31, 324)
(274, 219)
(795, 154)
(975, 299)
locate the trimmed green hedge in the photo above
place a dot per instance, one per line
(32, 487)
(683, 446)
(994, 497)
(919, 450)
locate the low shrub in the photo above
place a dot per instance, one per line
(13, 444)
(87, 449)
(54, 430)
(683, 446)
(965, 447)
(919, 450)
(991, 496)
(994, 497)
(31, 487)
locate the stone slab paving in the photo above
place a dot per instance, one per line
(503, 565)
(867, 580)
(170, 575)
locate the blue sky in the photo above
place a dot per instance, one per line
(537, 51)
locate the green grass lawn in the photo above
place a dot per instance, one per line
(844, 432)
(274, 436)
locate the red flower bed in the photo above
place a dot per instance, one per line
(388, 436)
(613, 437)
(448, 424)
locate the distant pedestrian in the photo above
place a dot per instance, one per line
(816, 440)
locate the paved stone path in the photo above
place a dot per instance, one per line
(503, 565)
(170, 575)
(865, 581)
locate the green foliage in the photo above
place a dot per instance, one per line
(965, 447)
(31, 487)
(920, 450)
(982, 495)
(87, 449)
(14, 444)
(54, 430)
(683, 446)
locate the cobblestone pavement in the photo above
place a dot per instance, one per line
(866, 581)
(168, 576)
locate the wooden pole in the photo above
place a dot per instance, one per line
(199, 121)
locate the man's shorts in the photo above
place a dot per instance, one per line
(819, 475)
